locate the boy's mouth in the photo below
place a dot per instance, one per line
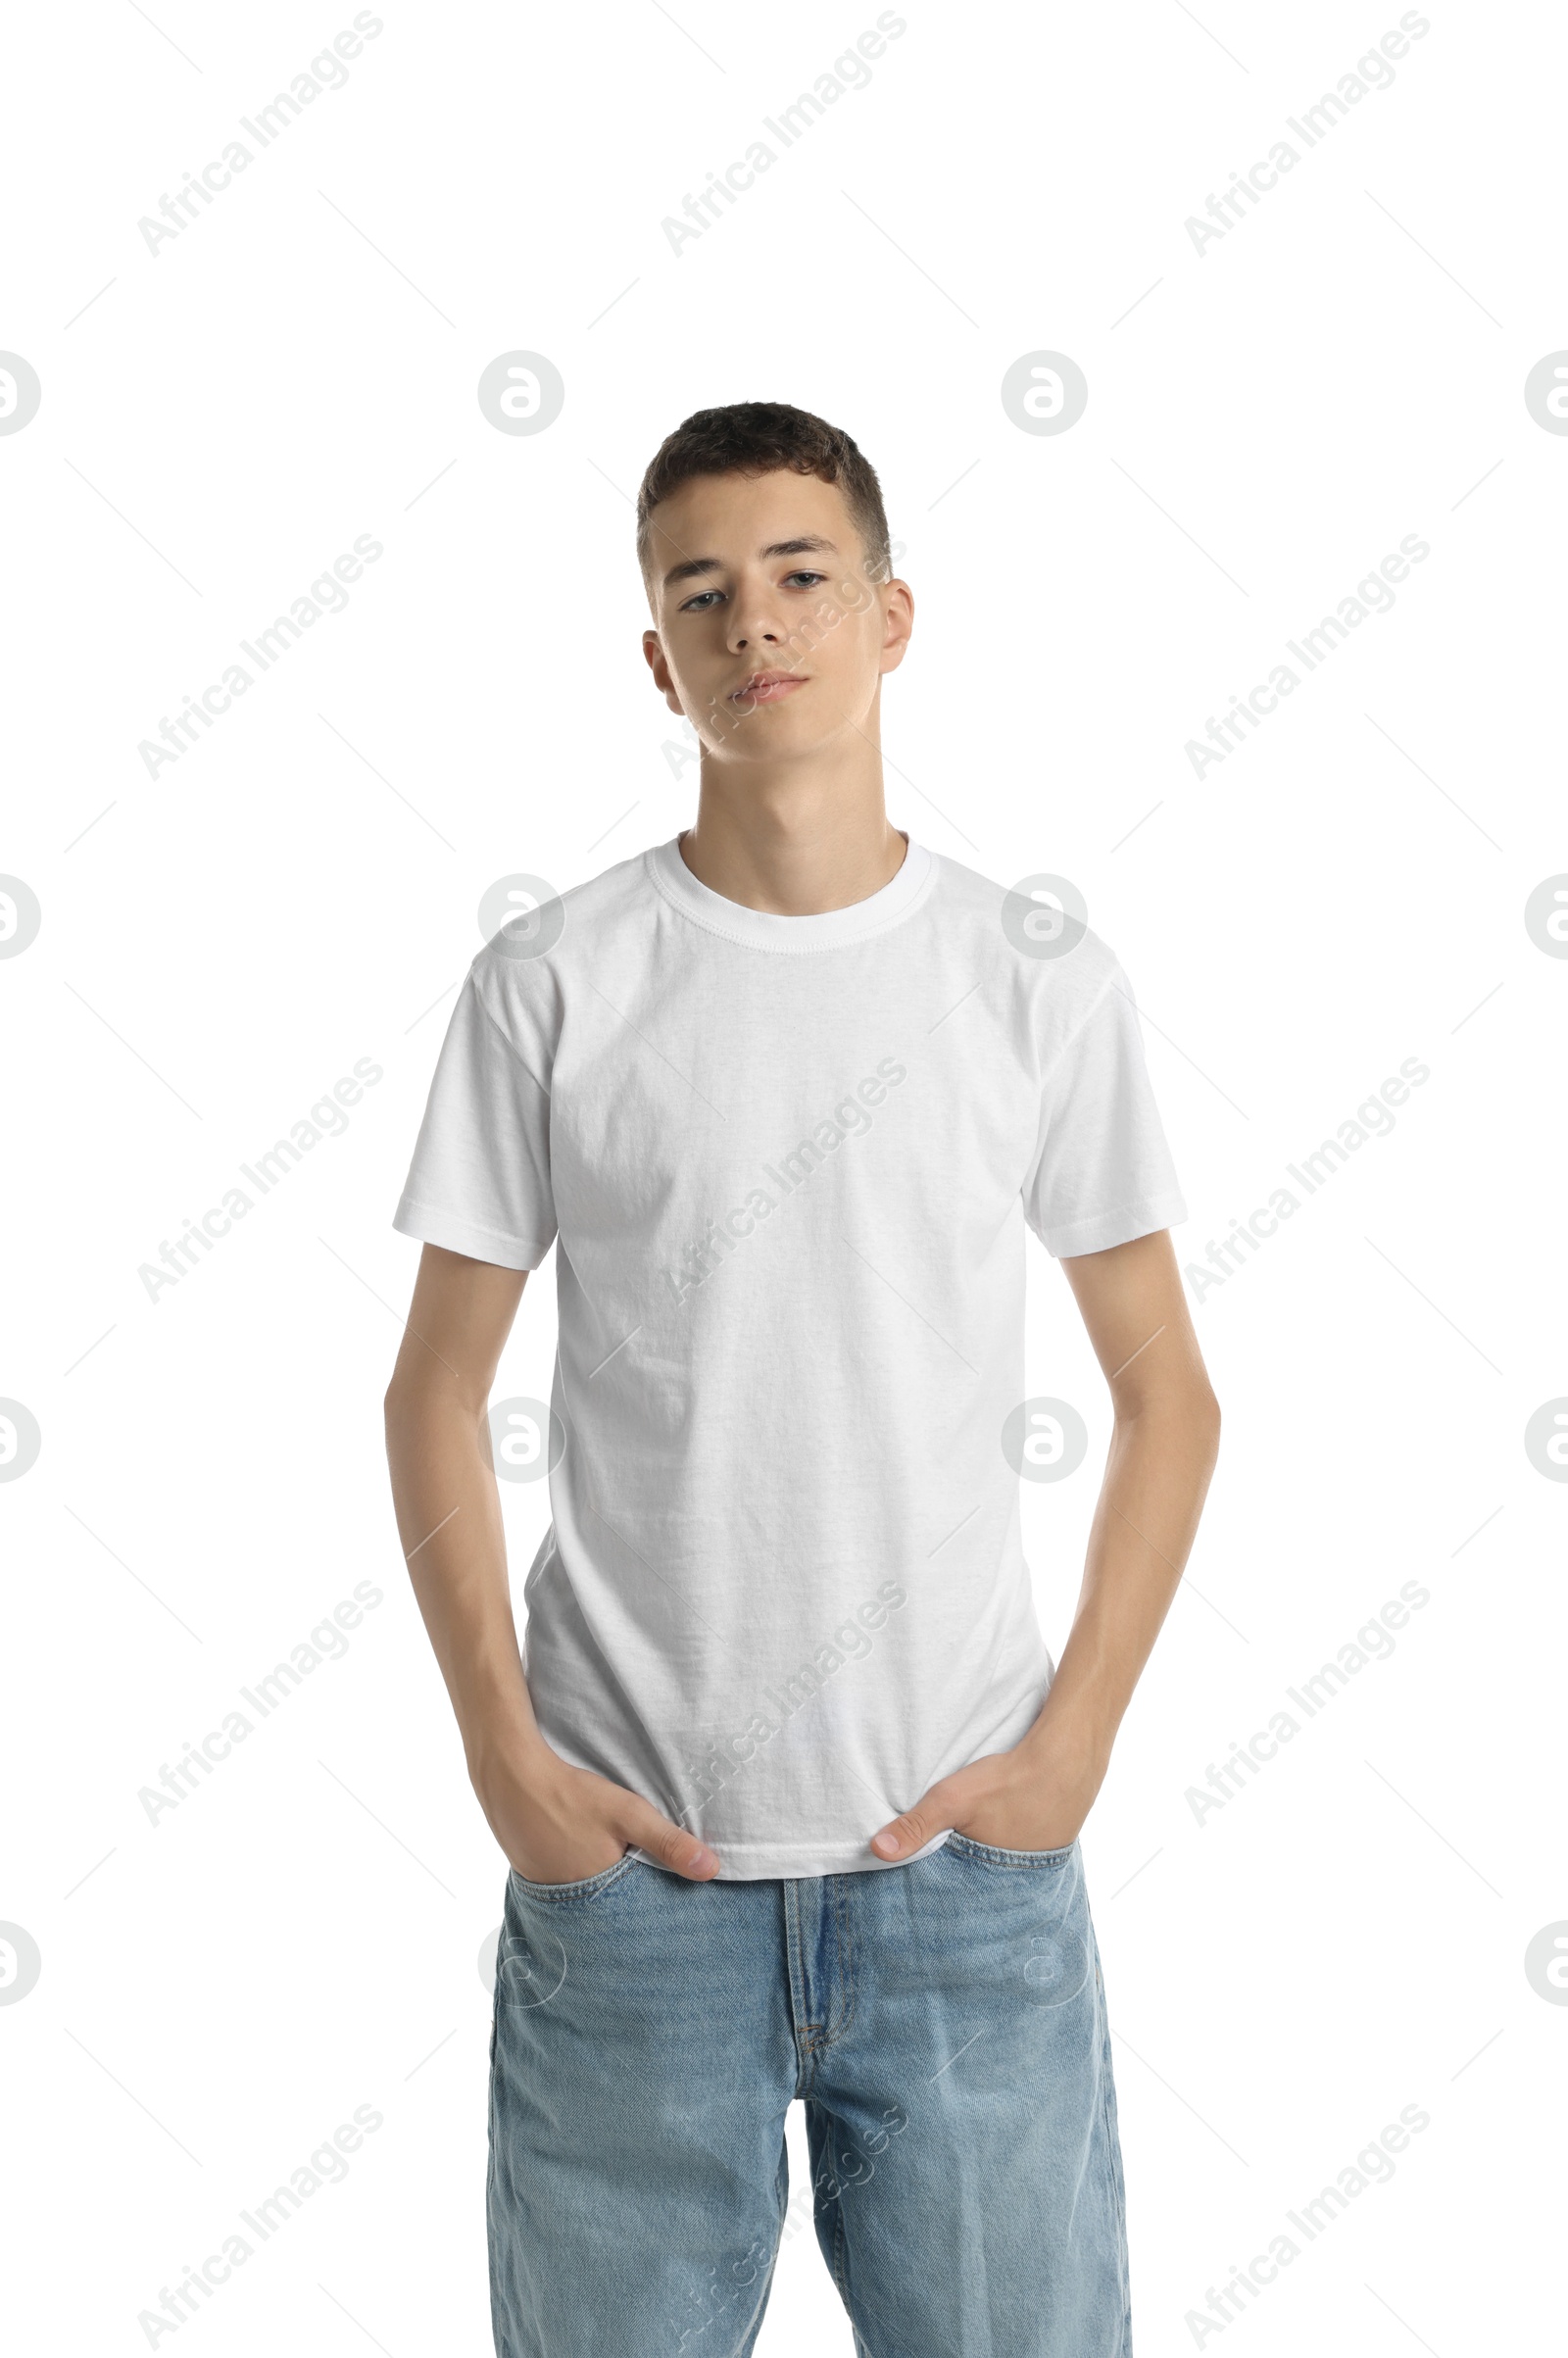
(766, 687)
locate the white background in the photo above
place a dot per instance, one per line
(1267, 420)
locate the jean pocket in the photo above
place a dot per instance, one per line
(989, 1855)
(589, 1887)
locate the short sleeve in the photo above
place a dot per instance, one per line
(1102, 1172)
(480, 1182)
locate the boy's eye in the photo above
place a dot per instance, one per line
(705, 599)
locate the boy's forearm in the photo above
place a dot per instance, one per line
(1037, 1795)
(556, 1822)
(449, 1519)
(1156, 1478)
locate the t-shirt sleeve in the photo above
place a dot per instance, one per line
(480, 1182)
(1102, 1172)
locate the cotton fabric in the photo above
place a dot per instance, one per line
(788, 1163)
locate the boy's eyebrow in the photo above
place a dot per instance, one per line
(809, 544)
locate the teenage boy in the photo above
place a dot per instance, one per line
(788, 1783)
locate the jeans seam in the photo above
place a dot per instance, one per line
(503, 2339)
(840, 2244)
(846, 1953)
(991, 1854)
(1119, 2194)
(806, 2031)
(748, 2341)
(588, 1886)
(841, 2278)
(800, 2031)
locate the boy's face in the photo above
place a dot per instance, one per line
(768, 634)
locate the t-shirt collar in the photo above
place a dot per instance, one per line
(764, 929)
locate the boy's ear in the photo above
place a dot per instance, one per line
(654, 656)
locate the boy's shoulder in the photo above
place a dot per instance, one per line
(1035, 933)
(546, 934)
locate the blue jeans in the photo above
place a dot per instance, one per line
(944, 2024)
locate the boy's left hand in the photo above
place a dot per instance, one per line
(1031, 1798)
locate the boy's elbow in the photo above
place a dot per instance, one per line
(1184, 1403)
(1205, 1412)
(401, 1403)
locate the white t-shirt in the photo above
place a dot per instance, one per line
(789, 1163)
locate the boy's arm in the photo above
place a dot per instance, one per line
(556, 1824)
(1162, 1450)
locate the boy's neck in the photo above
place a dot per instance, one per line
(791, 848)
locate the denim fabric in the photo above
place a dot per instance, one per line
(944, 2024)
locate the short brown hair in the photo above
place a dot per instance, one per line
(753, 438)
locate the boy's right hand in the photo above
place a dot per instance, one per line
(559, 1823)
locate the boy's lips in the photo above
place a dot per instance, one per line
(767, 687)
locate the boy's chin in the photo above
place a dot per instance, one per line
(774, 733)
(785, 747)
